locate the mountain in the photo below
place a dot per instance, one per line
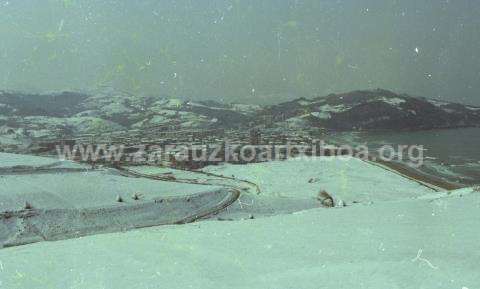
(30, 116)
(71, 114)
(373, 110)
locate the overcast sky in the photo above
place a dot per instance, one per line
(243, 50)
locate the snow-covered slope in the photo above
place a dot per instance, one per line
(105, 110)
(374, 109)
(50, 183)
(393, 233)
(284, 187)
(347, 179)
(430, 244)
(42, 199)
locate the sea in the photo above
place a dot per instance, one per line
(451, 154)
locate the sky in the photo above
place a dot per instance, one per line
(260, 51)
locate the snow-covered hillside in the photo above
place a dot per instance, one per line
(392, 233)
(43, 199)
(414, 244)
(350, 180)
(106, 110)
(374, 109)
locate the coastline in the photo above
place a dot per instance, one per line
(432, 181)
(425, 177)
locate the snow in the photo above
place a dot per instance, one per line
(45, 120)
(245, 108)
(173, 103)
(447, 110)
(83, 189)
(165, 117)
(12, 160)
(71, 200)
(325, 111)
(322, 115)
(205, 106)
(90, 113)
(335, 108)
(8, 140)
(304, 102)
(158, 119)
(348, 179)
(92, 124)
(115, 108)
(298, 121)
(78, 124)
(395, 101)
(394, 233)
(405, 244)
(437, 103)
(87, 188)
(191, 103)
(189, 124)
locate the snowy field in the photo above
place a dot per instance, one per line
(348, 179)
(42, 199)
(89, 188)
(283, 187)
(392, 233)
(422, 243)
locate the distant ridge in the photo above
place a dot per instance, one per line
(24, 115)
(373, 110)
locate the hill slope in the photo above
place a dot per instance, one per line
(25, 116)
(372, 110)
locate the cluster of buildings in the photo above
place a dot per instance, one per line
(188, 148)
